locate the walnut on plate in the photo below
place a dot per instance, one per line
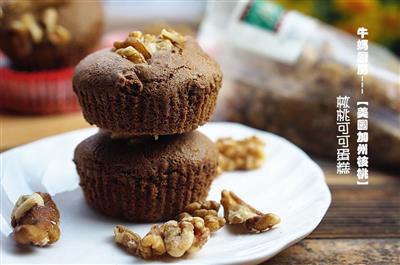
(35, 219)
(242, 154)
(126, 238)
(172, 238)
(208, 211)
(237, 211)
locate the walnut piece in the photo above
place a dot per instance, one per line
(201, 233)
(59, 36)
(135, 43)
(208, 211)
(35, 219)
(237, 211)
(147, 44)
(25, 203)
(131, 54)
(126, 238)
(243, 154)
(33, 27)
(173, 36)
(18, 26)
(42, 28)
(49, 18)
(178, 237)
(172, 238)
(152, 244)
(56, 34)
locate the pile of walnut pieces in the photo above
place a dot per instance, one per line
(139, 47)
(245, 154)
(42, 28)
(192, 228)
(35, 219)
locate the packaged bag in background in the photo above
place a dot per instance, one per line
(283, 72)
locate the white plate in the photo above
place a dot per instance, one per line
(290, 184)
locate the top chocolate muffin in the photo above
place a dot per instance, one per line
(148, 85)
(49, 34)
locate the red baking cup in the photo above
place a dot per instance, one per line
(42, 92)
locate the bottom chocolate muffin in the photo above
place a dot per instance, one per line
(144, 179)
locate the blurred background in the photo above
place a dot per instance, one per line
(290, 93)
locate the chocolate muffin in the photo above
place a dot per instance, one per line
(148, 85)
(144, 179)
(49, 34)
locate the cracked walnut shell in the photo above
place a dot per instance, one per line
(237, 211)
(35, 219)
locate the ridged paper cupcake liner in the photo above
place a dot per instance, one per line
(141, 114)
(42, 92)
(161, 197)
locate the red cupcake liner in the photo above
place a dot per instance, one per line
(42, 92)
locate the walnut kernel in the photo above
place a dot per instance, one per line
(18, 26)
(243, 154)
(137, 44)
(35, 219)
(178, 237)
(173, 36)
(126, 238)
(208, 211)
(131, 54)
(59, 36)
(33, 27)
(201, 233)
(172, 238)
(25, 203)
(148, 44)
(135, 34)
(49, 18)
(152, 244)
(42, 28)
(237, 211)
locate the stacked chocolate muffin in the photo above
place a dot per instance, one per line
(147, 95)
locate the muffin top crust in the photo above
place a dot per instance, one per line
(146, 62)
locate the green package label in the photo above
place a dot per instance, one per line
(264, 14)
